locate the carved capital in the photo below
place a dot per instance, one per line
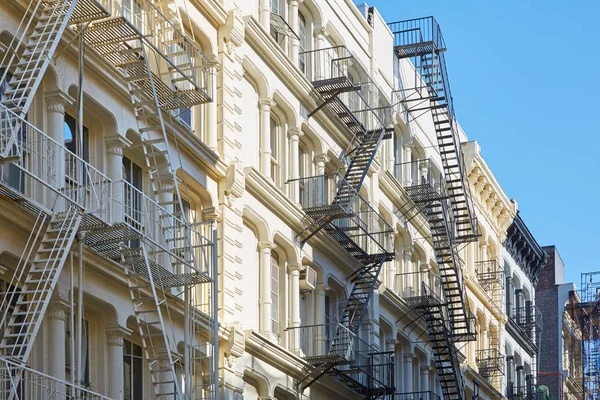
(295, 269)
(115, 341)
(295, 133)
(57, 312)
(57, 100)
(115, 144)
(116, 333)
(266, 103)
(211, 214)
(266, 246)
(321, 31)
(321, 289)
(322, 158)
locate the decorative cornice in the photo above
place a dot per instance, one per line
(524, 249)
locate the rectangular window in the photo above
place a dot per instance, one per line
(275, 6)
(303, 43)
(133, 196)
(275, 152)
(302, 173)
(275, 294)
(132, 372)
(70, 361)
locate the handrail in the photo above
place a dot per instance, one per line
(33, 384)
(44, 159)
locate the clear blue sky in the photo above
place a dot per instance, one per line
(525, 85)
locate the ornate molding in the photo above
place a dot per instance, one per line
(115, 144)
(57, 100)
(57, 312)
(116, 341)
(266, 245)
(235, 183)
(266, 104)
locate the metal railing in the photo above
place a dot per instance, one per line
(363, 97)
(490, 362)
(20, 382)
(365, 363)
(529, 320)
(415, 396)
(46, 161)
(421, 172)
(358, 219)
(416, 31)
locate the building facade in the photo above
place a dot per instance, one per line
(523, 261)
(245, 199)
(561, 356)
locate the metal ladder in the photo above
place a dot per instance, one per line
(148, 299)
(38, 37)
(47, 259)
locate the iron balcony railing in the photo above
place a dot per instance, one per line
(529, 320)
(490, 276)
(47, 162)
(358, 92)
(20, 382)
(420, 173)
(415, 396)
(357, 218)
(363, 363)
(490, 362)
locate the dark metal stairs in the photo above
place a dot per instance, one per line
(433, 311)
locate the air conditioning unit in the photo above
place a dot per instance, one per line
(308, 279)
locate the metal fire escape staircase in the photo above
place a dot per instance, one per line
(164, 73)
(344, 90)
(447, 206)
(30, 52)
(23, 67)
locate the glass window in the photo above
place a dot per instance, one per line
(303, 42)
(275, 293)
(275, 149)
(132, 372)
(132, 196)
(69, 360)
(302, 172)
(275, 6)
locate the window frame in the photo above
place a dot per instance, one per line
(275, 156)
(275, 293)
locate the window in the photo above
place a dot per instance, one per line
(132, 196)
(71, 139)
(275, 150)
(274, 293)
(11, 174)
(303, 172)
(275, 6)
(132, 372)
(303, 42)
(69, 359)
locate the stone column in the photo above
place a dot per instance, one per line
(265, 14)
(211, 109)
(115, 144)
(321, 189)
(320, 62)
(55, 105)
(115, 334)
(294, 24)
(56, 317)
(265, 135)
(264, 296)
(424, 379)
(408, 270)
(321, 160)
(321, 334)
(391, 159)
(294, 272)
(407, 163)
(294, 135)
(408, 373)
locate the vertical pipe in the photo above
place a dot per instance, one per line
(79, 314)
(72, 323)
(215, 317)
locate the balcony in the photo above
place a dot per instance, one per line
(490, 363)
(361, 367)
(529, 321)
(490, 276)
(422, 179)
(47, 174)
(354, 218)
(36, 385)
(415, 396)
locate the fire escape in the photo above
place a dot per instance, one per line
(164, 255)
(332, 202)
(443, 198)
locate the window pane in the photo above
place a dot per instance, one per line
(275, 6)
(274, 140)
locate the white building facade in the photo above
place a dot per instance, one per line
(320, 285)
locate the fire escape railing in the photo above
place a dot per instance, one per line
(444, 199)
(344, 90)
(421, 41)
(529, 320)
(363, 367)
(490, 362)
(490, 276)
